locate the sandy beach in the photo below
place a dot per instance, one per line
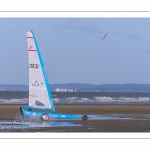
(130, 118)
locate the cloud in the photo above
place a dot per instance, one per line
(81, 25)
(134, 36)
(117, 33)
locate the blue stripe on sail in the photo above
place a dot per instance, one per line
(44, 74)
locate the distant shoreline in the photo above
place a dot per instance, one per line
(80, 87)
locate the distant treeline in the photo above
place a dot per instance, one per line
(79, 87)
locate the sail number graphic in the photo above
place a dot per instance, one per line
(34, 66)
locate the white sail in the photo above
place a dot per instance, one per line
(39, 90)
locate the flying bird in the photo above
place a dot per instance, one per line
(103, 37)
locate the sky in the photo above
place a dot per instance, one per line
(72, 53)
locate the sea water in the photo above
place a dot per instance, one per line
(22, 97)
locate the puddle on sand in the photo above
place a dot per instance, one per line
(10, 125)
(119, 117)
(106, 117)
(51, 124)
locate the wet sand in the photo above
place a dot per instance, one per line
(139, 124)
